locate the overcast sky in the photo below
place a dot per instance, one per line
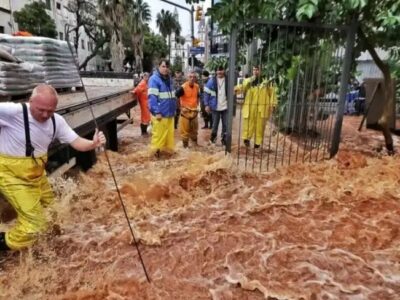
(184, 16)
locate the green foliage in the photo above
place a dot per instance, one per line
(154, 48)
(217, 61)
(177, 65)
(394, 63)
(135, 25)
(168, 24)
(34, 19)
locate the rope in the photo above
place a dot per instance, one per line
(109, 164)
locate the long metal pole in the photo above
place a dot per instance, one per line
(192, 32)
(231, 85)
(109, 163)
(344, 80)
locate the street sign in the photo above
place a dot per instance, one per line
(197, 50)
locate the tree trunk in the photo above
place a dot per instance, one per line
(136, 51)
(89, 57)
(76, 42)
(169, 47)
(117, 53)
(388, 92)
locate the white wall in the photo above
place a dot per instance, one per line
(5, 22)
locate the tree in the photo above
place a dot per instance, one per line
(167, 24)
(135, 26)
(114, 13)
(177, 65)
(378, 25)
(217, 61)
(154, 48)
(86, 19)
(34, 19)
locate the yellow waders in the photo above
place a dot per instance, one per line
(188, 125)
(162, 134)
(24, 184)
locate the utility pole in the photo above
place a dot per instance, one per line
(191, 11)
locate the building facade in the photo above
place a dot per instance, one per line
(57, 10)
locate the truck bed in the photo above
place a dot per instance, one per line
(71, 99)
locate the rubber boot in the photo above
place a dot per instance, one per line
(3, 245)
(213, 138)
(390, 149)
(185, 144)
(205, 125)
(143, 128)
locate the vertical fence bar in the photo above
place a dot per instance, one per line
(288, 105)
(344, 80)
(231, 85)
(332, 103)
(328, 140)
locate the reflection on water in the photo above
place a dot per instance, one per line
(208, 231)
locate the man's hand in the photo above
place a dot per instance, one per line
(158, 117)
(98, 139)
(207, 108)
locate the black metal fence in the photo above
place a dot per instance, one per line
(292, 110)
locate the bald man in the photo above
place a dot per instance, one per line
(26, 131)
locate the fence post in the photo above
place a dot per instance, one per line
(231, 86)
(344, 81)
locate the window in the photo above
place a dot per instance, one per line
(90, 46)
(1, 29)
(58, 5)
(48, 4)
(61, 35)
(83, 44)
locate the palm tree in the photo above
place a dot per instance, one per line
(114, 12)
(167, 24)
(138, 18)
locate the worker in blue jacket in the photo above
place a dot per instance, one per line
(216, 102)
(162, 105)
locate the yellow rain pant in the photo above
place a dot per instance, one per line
(162, 134)
(24, 184)
(188, 125)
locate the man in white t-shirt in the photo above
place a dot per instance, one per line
(216, 102)
(26, 131)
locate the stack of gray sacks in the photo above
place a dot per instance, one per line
(27, 61)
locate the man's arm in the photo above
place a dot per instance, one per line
(82, 144)
(7, 111)
(179, 92)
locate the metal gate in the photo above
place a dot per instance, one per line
(293, 109)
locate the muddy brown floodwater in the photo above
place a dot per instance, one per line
(326, 230)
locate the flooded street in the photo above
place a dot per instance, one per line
(208, 230)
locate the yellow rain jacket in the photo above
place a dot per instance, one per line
(257, 108)
(24, 184)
